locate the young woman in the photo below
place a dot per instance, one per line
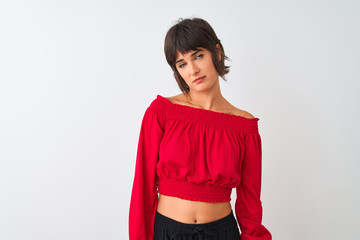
(194, 148)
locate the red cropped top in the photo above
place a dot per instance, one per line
(200, 155)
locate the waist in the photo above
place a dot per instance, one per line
(194, 192)
(193, 212)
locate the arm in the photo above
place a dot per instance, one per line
(248, 207)
(144, 198)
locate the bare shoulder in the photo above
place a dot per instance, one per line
(171, 98)
(242, 113)
(177, 99)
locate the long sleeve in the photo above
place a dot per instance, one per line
(144, 198)
(248, 206)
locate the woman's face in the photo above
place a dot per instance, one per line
(195, 65)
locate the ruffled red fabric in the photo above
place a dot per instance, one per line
(199, 155)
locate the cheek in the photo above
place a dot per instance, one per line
(183, 74)
(211, 67)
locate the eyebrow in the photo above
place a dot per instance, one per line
(199, 50)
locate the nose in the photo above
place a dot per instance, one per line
(194, 69)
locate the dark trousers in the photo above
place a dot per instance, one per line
(169, 229)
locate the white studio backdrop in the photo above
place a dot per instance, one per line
(77, 76)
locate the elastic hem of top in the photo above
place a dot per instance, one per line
(193, 191)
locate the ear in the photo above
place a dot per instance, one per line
(218, 51)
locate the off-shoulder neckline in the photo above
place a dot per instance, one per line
(200, 110)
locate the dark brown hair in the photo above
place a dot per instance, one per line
(189, 34)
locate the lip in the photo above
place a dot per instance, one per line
(199, 79)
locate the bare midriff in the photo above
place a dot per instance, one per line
(193, 212)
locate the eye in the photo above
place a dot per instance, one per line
(181, 65)
(199, 56)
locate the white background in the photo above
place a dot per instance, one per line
(77, 76)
